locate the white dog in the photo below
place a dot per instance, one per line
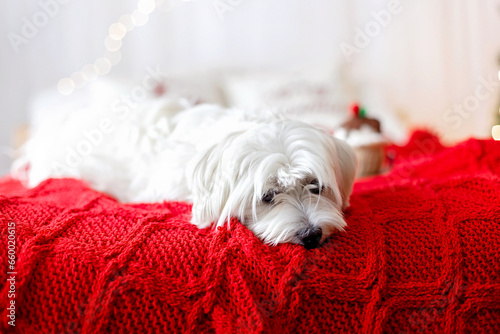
(285, 180)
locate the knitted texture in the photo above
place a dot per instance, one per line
(421, 255)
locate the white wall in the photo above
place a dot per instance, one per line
(429, 58)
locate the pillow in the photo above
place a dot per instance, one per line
(314, 96)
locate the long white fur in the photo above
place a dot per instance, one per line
(221, 160)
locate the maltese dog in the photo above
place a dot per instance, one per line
(285, 180)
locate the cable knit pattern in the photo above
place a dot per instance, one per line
(421, 255)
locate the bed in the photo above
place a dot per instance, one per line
(421, 254)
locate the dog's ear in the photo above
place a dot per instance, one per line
(213, 179)
(209, 187)
(347, 163)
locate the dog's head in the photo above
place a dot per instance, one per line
(286, 181)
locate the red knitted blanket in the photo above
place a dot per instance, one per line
(421, 254)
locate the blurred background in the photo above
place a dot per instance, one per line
(410, 63)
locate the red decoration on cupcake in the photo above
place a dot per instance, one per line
(355, 109)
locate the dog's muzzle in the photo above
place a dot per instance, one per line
(311, 238)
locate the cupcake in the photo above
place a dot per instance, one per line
(364, 135)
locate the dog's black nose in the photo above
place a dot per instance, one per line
(312, 238)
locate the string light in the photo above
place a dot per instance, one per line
(139, 18)
(495, 132)
(146, 6)
(112, 43)
(66, 86)
(103, 66)
(90, 71)
(117, 31)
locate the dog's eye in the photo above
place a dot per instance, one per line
(316, 189)
(268, 197)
